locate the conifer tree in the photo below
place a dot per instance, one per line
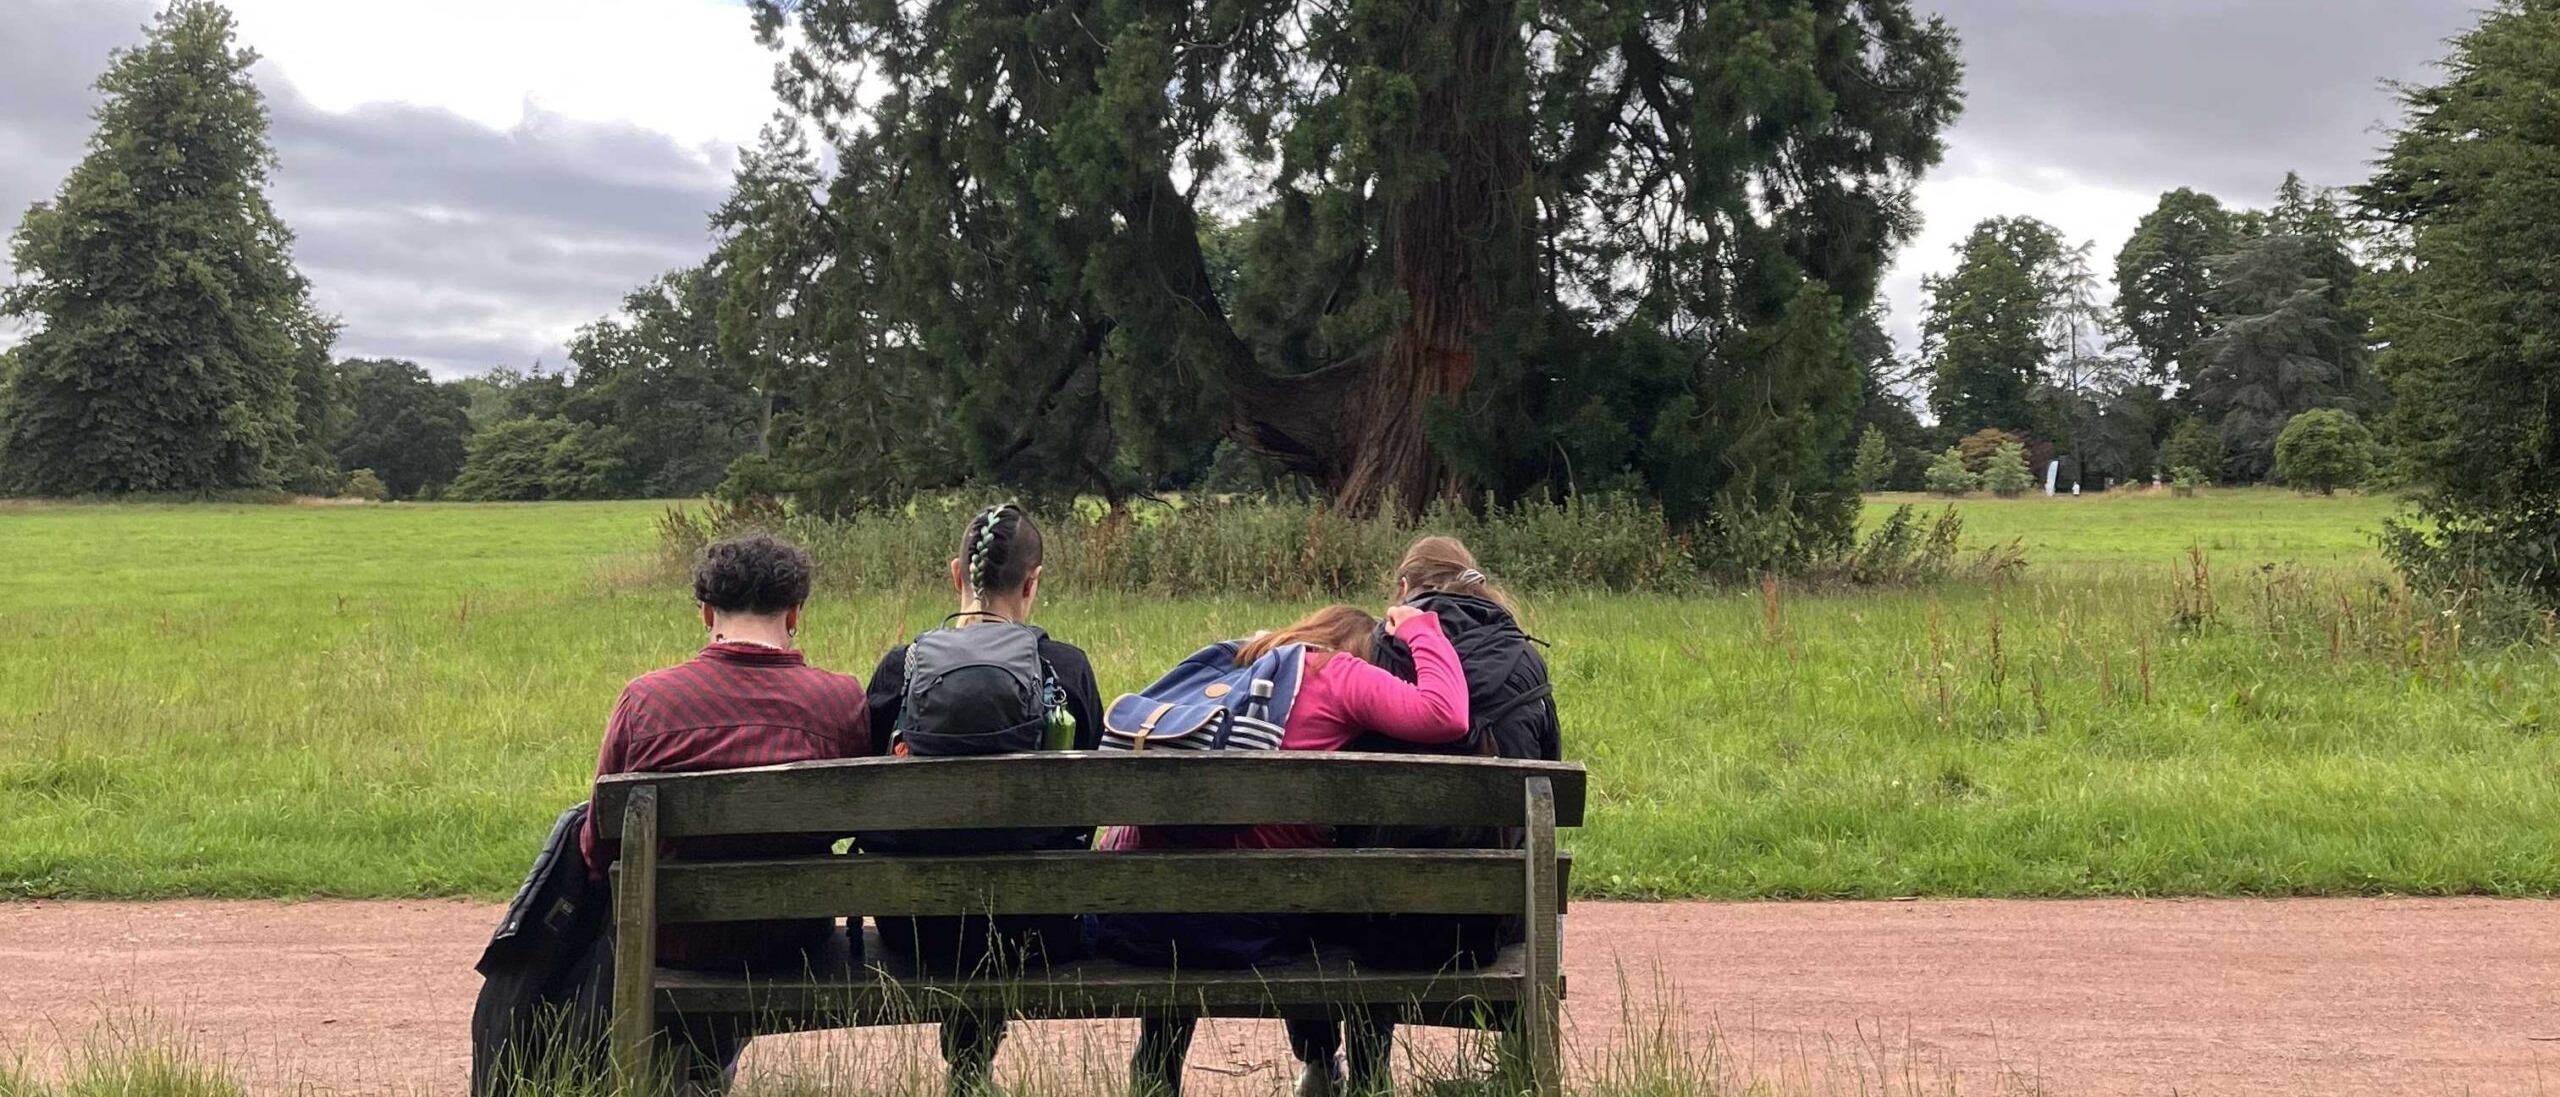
(2471, 329)
(2007, 474)
(1477, 245)
(2285, 342)
(1875, 461)
(1948, 475)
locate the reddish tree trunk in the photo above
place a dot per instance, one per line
(1458, 245)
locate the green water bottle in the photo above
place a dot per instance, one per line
(1061, 733)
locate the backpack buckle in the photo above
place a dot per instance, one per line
(1147, 727)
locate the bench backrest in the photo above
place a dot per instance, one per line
(1067, 790)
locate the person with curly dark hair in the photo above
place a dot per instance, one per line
(748, 698)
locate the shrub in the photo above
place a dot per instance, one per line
(524, 460)
(585, 463)
(2007, 475)
(2323, 450)
(1874, 463)
(2503, 561)
(363, 484)
(753, 476)
(2184, 480)
(1899, 552)
(1948, 475)
(1982, 445)
(505, 462)
(1295, 550)
(2193, 447)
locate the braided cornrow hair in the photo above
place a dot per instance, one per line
(999, 549)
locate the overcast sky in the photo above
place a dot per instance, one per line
(473, 179)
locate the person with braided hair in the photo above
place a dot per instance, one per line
(996, 578)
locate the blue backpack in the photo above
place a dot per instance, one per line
(1209, 703)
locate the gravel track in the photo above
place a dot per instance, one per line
(2102, 997)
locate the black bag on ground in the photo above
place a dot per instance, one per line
(545, 975)
(1511, 714)
(974, 691)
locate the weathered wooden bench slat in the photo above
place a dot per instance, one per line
(1093, 988)
(1069, 789)
(1170, 882)
(1541, 1015)
(635, 899)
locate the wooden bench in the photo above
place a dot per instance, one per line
(1522, 988)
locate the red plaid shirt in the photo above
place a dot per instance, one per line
(731, 706)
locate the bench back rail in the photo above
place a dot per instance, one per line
(1162, 788)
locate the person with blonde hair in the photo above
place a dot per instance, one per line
(1340, 698)
(1513, 702)
(1512, 713)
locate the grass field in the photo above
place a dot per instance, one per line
(392, 701)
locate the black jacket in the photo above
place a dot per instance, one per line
(544, 980)
(1510, 703)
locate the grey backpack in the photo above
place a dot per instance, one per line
(977, 690)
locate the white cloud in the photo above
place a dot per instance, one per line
(690, 69)
(1972, 188)
(470, 180)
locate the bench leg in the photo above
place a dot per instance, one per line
(1537, 1039)
(1164, 1043)
(635, 954)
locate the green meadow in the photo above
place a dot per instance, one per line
(2220, 695)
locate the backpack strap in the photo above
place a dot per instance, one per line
(1540, 692)
(1147, 727)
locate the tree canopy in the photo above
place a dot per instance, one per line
(1988, 333)
(2471, 327)
(2323, 450)
(654, 374)
(405, 427)
(2164, 282)
(1399, 247)
(174, 347)
(2285, 342)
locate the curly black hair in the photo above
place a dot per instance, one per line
(755, 573)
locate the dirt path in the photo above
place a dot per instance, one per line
(2100, 998)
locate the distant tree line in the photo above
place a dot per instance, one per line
(2226, 324)
(648, 408)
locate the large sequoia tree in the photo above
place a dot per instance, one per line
(1402, 247)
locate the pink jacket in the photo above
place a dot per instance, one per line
(1343, 696)
(1340, 697)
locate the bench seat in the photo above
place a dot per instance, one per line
(887, 990)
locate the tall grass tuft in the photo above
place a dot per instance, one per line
(1295, 550)
(117, 1062)
(1659, 1050)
